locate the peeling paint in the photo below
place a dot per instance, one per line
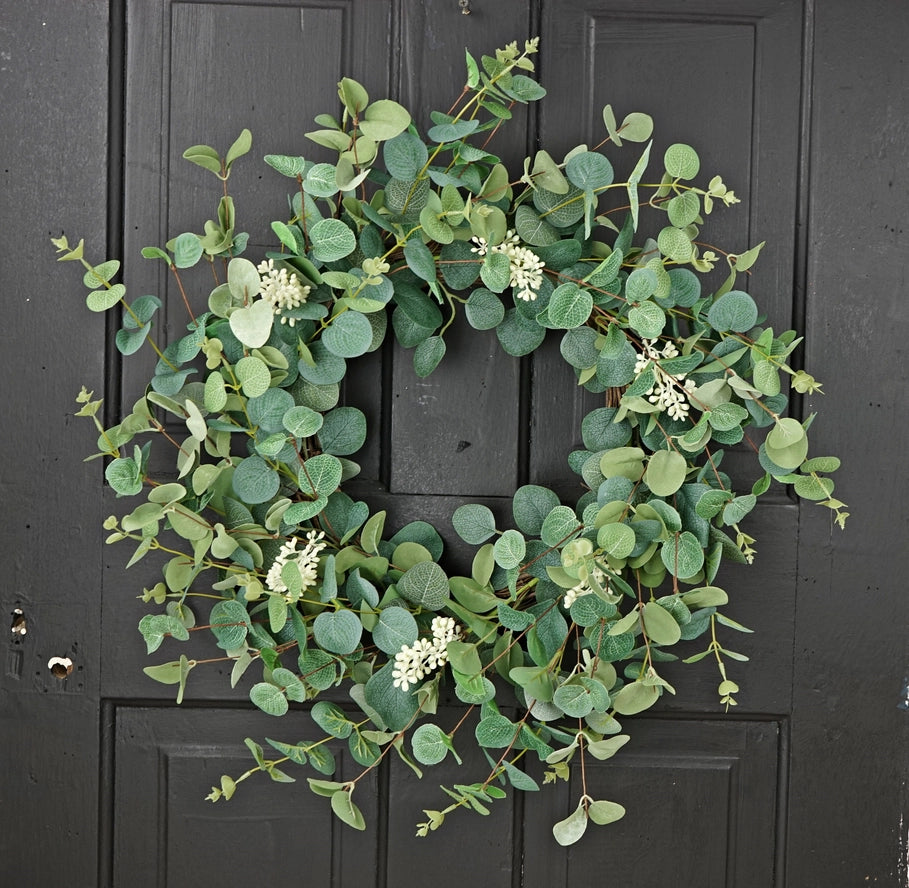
(19, 626)
(60, 667)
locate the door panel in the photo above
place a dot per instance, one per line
(164, 756)
(716, 829)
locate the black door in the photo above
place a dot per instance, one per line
(802, 110)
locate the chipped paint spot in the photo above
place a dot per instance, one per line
(904, 702)
(19, 626)
(60, 667)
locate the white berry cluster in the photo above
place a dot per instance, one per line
(669, 391)
(284, 291)
(306, 561)
(413, 664)
(525, 267)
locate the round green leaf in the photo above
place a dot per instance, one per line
(419, 259)
(675, 244)
(304, 510)
(474, 523)
(102, 300)
(602, 812)
(243, 280)
(519, 335)
(291, 684)
(187, 250)
(590, 609)
(321, 180)
(215, 393)
(395, 707)
(229, 623)
(129, 341)
(495, 731)
(317, 668)
(766, 378)
(269, 698)
(682, 555)
(599, 431)
(530, 507)
(681, 161)
(666, 470)
(821, 464)
(589, 170)
(510, 549)
(349, 335)
(787, 443)
(395, 628)
(559, 525)
(427, 355)
(616, 540)
(384, 120)
(738, 508)
(404, 156)
(683, 209)
(578, 347)
(254, 481)
(813, 487)
(623, 462)
(338, 631)
(124, 476)
(484, 310)
(267, 410)
(617, 369)
(430, 744)
(660, 625)
(425, 584)
(569, 306)
(254, 376)
(331, 240)
(320, 475)
(496, 271)
(724, 417)
(647, 319)
(735, 311)
(343, 431)
(635, 697)
(286, 165)
(409, 553)
(302, 421)
(252, 324)
(532, 229)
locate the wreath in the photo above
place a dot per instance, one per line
(560, 629)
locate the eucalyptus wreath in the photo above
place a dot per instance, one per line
(560, 629)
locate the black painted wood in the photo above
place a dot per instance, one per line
(53, 130)
(849, 804)
(801, 106)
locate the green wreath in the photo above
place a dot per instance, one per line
(560, 628)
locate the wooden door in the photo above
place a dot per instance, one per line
(800, 108)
